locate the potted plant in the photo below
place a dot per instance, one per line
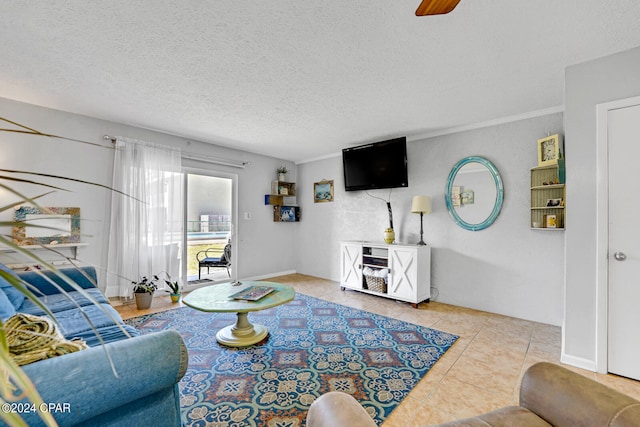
(174, 289)
(282, 170)
(143, 289)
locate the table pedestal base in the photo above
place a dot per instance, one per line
(242, 334)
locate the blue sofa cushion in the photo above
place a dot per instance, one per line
(71, 310)
(6, 308)
(74, 324)
(15, 296)
(62, 302)
(109, 334)
(84, 277)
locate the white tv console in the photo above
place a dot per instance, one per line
(408, 266)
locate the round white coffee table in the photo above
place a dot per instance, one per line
(219, 298)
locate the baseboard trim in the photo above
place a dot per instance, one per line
(270, 275)
(579, 362)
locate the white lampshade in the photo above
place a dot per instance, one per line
(421, 204)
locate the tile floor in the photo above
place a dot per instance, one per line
(481, 372)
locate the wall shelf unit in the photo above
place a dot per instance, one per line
(547, 199)
(283, 212)
(283, 188)
(71, 247)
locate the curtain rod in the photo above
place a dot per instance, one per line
(200, 157)
(215, 160)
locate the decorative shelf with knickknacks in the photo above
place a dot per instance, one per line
(281, 190)
(548, 186)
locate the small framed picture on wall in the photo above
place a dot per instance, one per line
(323, 191)
(288, 213)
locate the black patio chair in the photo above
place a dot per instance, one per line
(212, 257)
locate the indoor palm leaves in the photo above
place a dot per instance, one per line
(14, 384)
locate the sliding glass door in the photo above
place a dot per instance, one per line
(209, 228)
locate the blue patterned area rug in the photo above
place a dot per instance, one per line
(314, 346)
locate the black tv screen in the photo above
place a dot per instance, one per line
(377, 165)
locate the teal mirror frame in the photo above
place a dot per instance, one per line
(499, 193)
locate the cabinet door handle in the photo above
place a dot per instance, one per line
(620, 256)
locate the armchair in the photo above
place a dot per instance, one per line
(550, 395)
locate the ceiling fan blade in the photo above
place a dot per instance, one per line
(436, 7)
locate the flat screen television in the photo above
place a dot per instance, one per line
(378, 165)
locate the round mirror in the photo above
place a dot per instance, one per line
(474, 193)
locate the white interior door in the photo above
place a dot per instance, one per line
(623, 356)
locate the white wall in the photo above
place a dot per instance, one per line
(264, 247)
(586, 85)
(507, 268)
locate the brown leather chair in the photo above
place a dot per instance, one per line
(550, 395)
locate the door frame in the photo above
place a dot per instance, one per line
(602, 226)
(234, 219)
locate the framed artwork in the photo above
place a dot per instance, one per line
(323, 191)
(549, 150)
(554, 203)
(46, 226)
(289, 213)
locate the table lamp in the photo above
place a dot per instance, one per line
(421, 205)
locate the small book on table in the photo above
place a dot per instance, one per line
(253, 293)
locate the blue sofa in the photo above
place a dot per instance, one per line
(82, 386)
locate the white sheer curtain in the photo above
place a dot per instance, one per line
(147, 220)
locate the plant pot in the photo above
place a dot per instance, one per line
(143, 300)
(175, 297)
(281, 177)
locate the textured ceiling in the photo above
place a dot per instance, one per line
(299, 79)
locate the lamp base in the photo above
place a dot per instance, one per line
(421, 242)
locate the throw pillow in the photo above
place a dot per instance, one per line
(15, 296)
(6, 308)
